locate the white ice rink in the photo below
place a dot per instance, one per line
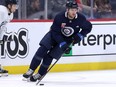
(72, 79)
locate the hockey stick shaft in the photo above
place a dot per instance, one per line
(47, 72)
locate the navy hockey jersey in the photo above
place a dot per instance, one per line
(79, 24)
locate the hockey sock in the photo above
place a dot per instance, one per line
(45, 65)
(41, 52)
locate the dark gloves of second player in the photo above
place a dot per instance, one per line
(65, 47)
(77, 38)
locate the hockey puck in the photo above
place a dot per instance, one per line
(41, 84)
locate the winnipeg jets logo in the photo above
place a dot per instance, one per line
(67, 31)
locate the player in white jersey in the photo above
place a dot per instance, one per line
(6, 15)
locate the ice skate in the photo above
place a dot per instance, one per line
(1, 42)
(35, 77)
(28, 74)
(3, 72)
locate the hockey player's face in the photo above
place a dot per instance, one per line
(72, 12)
(13, 8)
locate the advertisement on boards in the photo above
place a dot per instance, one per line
(98, 46)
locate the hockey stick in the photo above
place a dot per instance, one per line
(47, 72)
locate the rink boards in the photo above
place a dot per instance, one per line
(97, 51)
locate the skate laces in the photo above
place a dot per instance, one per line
(37, 76)
(29, 72)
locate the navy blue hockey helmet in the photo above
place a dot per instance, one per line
(71, 4)
(7, 2)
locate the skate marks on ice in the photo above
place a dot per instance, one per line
(81, 79)
(73, 79)
(75, 84)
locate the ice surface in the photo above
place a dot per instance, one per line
(68, 79)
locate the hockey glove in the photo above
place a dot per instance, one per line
(63, 46)
(67, 51)
(77, 38)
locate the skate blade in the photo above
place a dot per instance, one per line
(4, 75)
(26, 79)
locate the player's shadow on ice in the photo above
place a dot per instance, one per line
(77, 83)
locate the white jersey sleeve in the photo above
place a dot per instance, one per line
(4, 19)
(1, 15)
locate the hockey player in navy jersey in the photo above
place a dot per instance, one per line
(68, 26)
(6, 15)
